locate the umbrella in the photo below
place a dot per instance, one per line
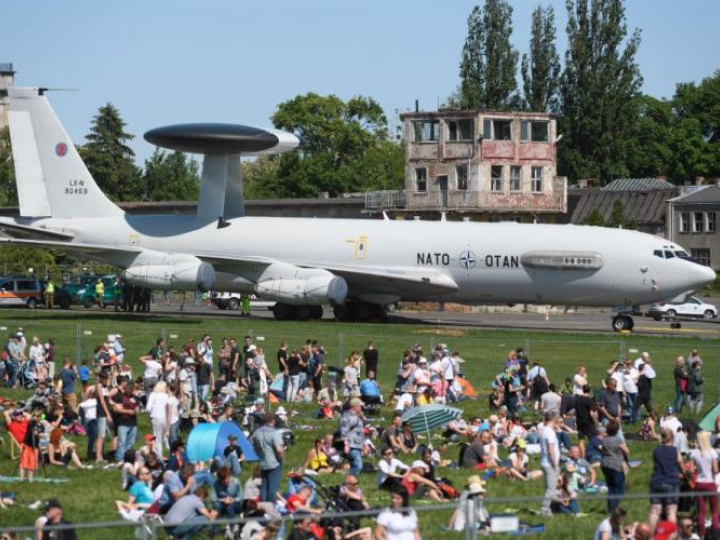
(427, 417)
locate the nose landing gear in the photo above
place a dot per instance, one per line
(622, 322)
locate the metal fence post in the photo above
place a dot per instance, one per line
(432, 344)
(341, 347)
(78, 344)
(164, 334)
(527, 347)
(622, 349)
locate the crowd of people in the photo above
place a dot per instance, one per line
(578, 431)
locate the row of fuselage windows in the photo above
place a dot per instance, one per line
(493, 130)
(502, 178)
(698, 222)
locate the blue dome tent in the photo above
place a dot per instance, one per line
(207, 441)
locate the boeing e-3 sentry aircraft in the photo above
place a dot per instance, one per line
(357, 266)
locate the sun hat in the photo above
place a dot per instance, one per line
(475, 489)
(418, 464)
(189, 361)
(356, 402)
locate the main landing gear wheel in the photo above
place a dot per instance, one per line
(284, 312)
(622, 322)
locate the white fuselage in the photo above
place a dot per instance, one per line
(488, 261)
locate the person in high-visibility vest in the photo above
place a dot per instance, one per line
(117, 293)
(100, 292)
(245, 305)
(49, 293)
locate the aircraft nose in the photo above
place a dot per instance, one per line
(702, 276)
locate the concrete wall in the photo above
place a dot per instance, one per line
(696, 240)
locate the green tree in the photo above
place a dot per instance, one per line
(598, 89)
(541, 68)
(261, 177)
(108, 157)
(346, 148)
(648, 147)
(595, 218)
(18, 260)
(617, 216)
(171, 176)
(8, 187)
(471, 94)
(488, 67)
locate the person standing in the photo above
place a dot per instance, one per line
(614, 463)
(117, 293)
(68, 376)
(205, 378)
(158, 406)
(610, 405)
(104, 415)
(352, 433)
(125, 406)
(268, 444)
(665, 480)
(49, 293)
(282, 360)
(705, 459)
(695, 388)
(100, 293)
(371, 356)
(680, 375)
(293, 375)
(630, 380)
(586, 418)
(549, 459)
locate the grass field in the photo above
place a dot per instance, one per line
(90, 495)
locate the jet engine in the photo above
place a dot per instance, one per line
(318, 290)
(189, 275)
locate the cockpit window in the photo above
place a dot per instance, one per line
(669, 254)
(681, 254)
(658, 253)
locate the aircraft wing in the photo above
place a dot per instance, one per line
(90, 250)
(22, 231)
(400, 281)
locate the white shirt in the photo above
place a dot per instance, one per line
(399, 526)
(174, 409)
(703, 464)
(604, 527)
(578, 382)
(630, 380)
(448, 368)
(535, 372)
(548, 438)
(37, 354)
(89, 406)
(405, 401)
(153, 369)
(620, 380)
(649, 371)
(384, 468)
(157, 406)
(671, 423)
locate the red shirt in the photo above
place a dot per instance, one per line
(294, 502)
(18, 429)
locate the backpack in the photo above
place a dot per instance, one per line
(540, 385)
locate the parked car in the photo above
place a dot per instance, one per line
(29, 292)
(85, 295)
(692, 308)
(233, 300)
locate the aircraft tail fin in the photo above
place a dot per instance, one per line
(52, 179)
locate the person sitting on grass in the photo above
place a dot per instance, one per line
(300, 501)
(62, 452)
(564, 500)
(418, 486)
(518, 463)
(188, 516)
(387, 476)
(316, 459)
(228, 494)
(140, 497)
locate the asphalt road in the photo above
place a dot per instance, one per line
(583, 321)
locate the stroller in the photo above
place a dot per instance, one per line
(28, 376)
(330, 496)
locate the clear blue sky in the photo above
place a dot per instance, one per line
(165, 62)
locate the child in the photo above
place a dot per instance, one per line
(30, 453)
(84, 373)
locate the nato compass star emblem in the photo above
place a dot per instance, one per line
(467, 260)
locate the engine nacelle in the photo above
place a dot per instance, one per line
(313, 291)
(188, 275)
